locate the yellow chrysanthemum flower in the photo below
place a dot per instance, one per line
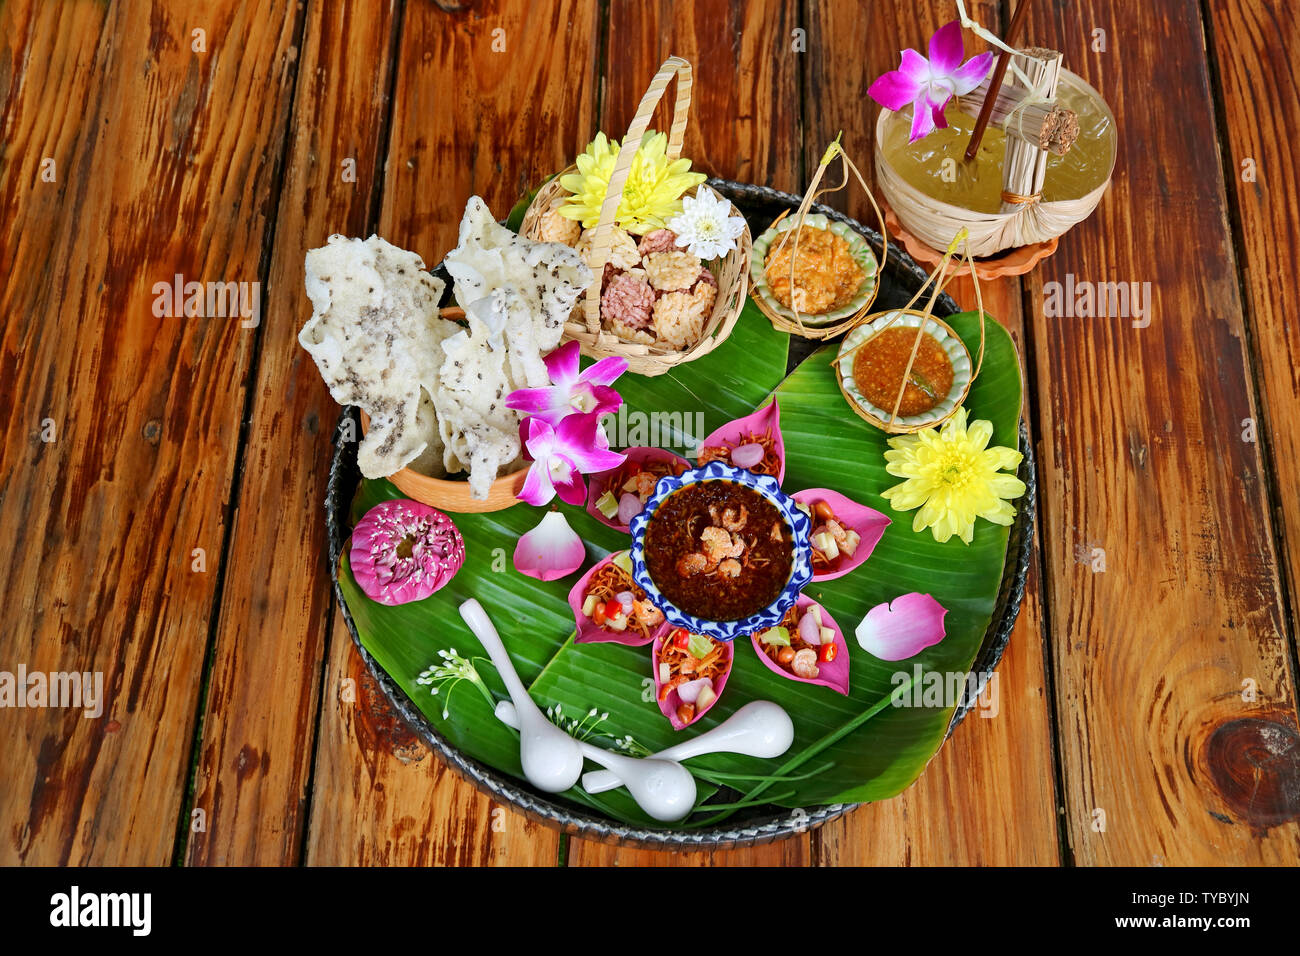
(953, 477)
(652, 195)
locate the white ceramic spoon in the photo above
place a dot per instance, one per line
(662, 788)
(759, 729)
(552, 760)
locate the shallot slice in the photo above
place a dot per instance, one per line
(690, 691)
(625, 598)
(747, 456)
(629, 506)
(809, 631)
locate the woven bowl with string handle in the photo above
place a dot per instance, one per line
(731, 271)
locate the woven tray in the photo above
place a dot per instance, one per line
(899, 278)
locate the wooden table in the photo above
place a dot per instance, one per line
(161, 477)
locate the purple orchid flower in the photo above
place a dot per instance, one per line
(929, 85)
(562, 454)
(570, 391)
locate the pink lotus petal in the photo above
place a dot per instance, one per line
(867, 522)
(551, 550)
(591, 633)
(750, 428)
(834, 674)
(971, 74)
(946, 49)
(562, 364)
(893, 90)
(902, 628)
(404, 551)
(600, 483)
(668, 706)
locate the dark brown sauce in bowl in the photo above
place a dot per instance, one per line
(719, 550)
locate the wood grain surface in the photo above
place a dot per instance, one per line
(166, 167)
(1259, 78)
(1143, 459)
(261, 708)
(1146, 706)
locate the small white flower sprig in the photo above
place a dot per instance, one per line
(451, 672)
(578, 729)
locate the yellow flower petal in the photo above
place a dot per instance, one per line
(979, 434)
(953, 478)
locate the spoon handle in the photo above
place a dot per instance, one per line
(486, 632)
(599, 781)
(506, 713)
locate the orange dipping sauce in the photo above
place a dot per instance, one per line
(878, 369)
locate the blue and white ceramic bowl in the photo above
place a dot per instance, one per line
(801, 565)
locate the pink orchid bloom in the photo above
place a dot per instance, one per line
(570, 391)
(561, 455)
(929, 85)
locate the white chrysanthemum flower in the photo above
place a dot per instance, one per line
(705, 226)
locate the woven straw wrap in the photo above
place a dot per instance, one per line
(1020, 223)
(731, 271)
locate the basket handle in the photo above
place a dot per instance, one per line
(604, 236)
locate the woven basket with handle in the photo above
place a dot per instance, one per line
(731, 271)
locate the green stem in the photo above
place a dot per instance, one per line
(814, 749)
(717, 776)
(739, 805)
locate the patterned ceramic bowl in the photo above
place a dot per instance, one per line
(801, 564)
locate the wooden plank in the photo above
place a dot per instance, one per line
(744, 125)
(260, 715)
(1143, 459)
(381, 798)
(467, 119)
(744, 121)
(1259, 81)
(987, 798)
(150, 137)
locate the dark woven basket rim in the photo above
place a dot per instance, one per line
(769, 823)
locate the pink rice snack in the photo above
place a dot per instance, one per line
(629, 301)
(660, 240)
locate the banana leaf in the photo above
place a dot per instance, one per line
(846, 749)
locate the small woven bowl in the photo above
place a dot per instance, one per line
(859, 249)
(586, 325)
(800, 565)
(953, 347)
